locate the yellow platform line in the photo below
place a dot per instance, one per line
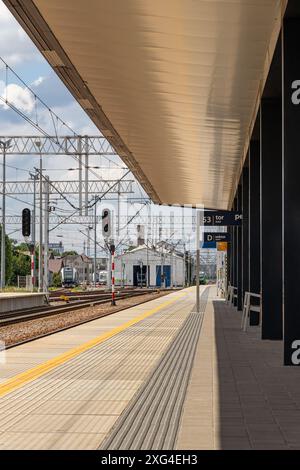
(32, 374)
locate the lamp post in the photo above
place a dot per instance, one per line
(4, 145)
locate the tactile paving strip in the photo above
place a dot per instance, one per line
(151, 419)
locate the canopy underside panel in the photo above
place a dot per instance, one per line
(173, 84)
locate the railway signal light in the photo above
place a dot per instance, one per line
(26, 222)
(106, 223)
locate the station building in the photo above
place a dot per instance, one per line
(131, 267)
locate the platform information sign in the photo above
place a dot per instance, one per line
(206, 244)
(216, 237)
(222, 246)
(222, 218)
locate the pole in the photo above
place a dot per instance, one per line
(3, 219)
(41, 227)
(88, 248)
(172, 268)
(147, 269)
(184, 266)
(95, 240)
(46, 235)
(79, 150)
(197, 261)
(32, 268)
(118, 235)
(113, 300)
(108, 283)
(118, 223)
(33, 240)
(86, 175)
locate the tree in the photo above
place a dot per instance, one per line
(20, 267)
(70, 253)
(8, 256)
(56, 280)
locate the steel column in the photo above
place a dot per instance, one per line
(291, 190)
(239, 253)
(245, 230)
(271, 218)
(234, 253)
(254, 224)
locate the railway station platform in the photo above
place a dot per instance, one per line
(154, 376)
(10, 301)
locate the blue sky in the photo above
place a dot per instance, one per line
(21, 54)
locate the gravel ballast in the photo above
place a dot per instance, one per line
(31, 329)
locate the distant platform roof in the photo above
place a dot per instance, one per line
(174, 85)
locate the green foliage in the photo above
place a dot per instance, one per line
(54, 252)
(56, 280)
(131, 247)
(16, 263)
(20, 264)
(70, 253)
(8, 257)
(22, 247)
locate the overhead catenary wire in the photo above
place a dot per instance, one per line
(53, 115)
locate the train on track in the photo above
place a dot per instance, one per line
(103, 277)
(69, 277)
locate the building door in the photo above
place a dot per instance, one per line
(167, 275)
(140, 275)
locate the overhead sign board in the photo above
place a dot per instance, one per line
(216, 237)
(222, 218)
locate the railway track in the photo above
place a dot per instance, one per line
(91, 295)
(34, 313)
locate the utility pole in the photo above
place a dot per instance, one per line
(162, 281)
(172, 267)
(88, 247)
(147, 250)
(5, 145)
(38, 144)
(86, 175)
(95, 239)
(34, 177)
(184, 265)
(79, 150)
(197, 261)
(46, 234)
(118, 235)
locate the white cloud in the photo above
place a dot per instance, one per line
(20, 97)
(38, 81)
(15, 47)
